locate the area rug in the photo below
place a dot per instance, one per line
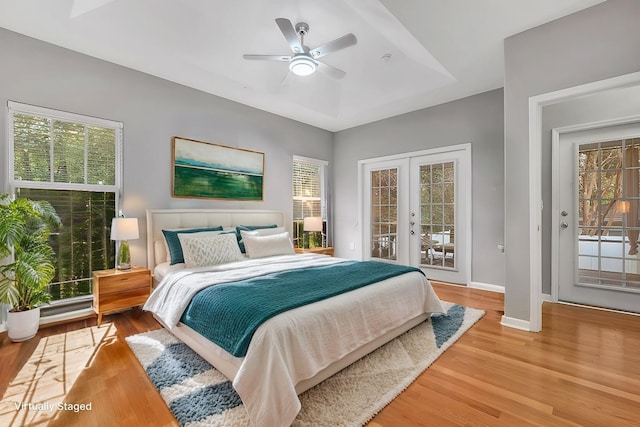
(198, 395)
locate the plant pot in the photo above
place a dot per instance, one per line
(23, 325)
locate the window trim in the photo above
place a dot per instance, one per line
(12, 184)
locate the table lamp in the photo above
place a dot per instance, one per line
(312, 224)
(122, 230)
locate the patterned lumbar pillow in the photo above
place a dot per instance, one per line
(210, 250)
(174, 249)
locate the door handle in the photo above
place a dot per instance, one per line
(564, 225)
(412, 232)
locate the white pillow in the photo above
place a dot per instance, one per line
(200, 251)
(262, 246)
(265, 231)
(161, 252)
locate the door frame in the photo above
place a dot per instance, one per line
(556, 134)
(465, 148)
(535, 187)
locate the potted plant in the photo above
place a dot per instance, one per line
(28, 268)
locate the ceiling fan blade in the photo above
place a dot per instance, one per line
(267, 57)
(290, 34)
(330, 71)
(337, 44)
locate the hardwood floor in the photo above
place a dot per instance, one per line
(582, 369)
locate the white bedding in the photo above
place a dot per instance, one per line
(173, 294)
(165, 268)
(298, 344)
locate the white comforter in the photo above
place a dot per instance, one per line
(173, 294)
(297, 344)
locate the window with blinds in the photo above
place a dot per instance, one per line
(309, 200)
(73, 162)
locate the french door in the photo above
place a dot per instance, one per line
(417, 212)
(598, 217)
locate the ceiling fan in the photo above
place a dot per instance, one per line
(304, 61)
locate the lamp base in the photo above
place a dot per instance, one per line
(124, 256)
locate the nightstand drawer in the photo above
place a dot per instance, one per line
(116, 301)
(123, 282)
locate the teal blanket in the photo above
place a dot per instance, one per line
(229, 313)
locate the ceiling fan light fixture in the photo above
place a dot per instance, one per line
(305, 62)
(302, 66)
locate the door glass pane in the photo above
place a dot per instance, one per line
(608, 210)
(437, 219)
(384, 213)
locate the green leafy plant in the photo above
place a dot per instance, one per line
(25, 226)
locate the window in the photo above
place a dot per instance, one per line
(74, 163)
(309, 200)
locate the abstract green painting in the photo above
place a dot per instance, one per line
(212, 171)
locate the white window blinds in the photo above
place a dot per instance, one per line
(308, 188)
(79, 151)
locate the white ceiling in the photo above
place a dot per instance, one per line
(440, 50)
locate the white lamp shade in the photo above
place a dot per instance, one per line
(313, 223)
(124, 229)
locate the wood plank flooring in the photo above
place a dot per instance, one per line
(582, 369)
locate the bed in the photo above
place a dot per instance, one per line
(293, 344)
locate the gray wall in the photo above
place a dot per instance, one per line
(591, 45)
(606, 105)
(153, 110)
(478, 120)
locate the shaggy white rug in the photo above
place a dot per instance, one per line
(198, 395)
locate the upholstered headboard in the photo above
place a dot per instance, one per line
(159, 219)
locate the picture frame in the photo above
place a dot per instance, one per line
(212, 171)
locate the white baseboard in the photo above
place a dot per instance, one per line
(546, 298)
(58, 317)
(591, 307)
(512, 322)
(487, 287)
(67, 316)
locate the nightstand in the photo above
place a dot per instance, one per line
(119, 289)
(324, 251)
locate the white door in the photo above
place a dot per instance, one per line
(386, 201)
(417, 212)
(439, 215)
(598, 217)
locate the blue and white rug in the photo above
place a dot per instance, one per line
(198, 395)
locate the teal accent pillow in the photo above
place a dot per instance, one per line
(240, 228)
(173, 242)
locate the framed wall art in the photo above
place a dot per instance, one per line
(212, 171)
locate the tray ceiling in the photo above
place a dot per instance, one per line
(410, 54)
